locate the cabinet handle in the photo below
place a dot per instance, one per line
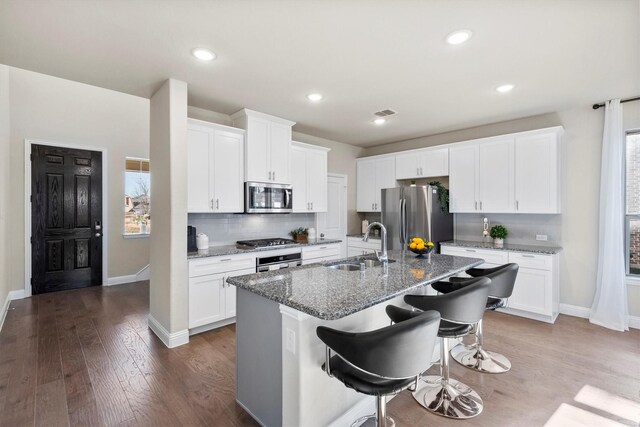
(517, 207)
(323, 247)
(311, 205)
(528, 256)
(476, 203)
(481, 205)
(417, 171)
(226, 259)
(274, 175)
(217, 203)
(269, 175)
(470, 250)
(421, 172)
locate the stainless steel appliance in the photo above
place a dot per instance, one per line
(263, 243)
(278, 262)
(261, 197)
(414, 212)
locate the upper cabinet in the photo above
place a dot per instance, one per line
(373, 175)
(423, 163)
(506, 174)
(214, 168)
(309, 177)
(267, 146)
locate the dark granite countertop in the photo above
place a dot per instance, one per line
(534, 249)
(331, 294)
(234, 250)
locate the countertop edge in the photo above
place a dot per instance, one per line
(222, 250)
(532, 249)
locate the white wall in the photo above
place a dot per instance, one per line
(54, 109)
(5, 260)
(582, 145)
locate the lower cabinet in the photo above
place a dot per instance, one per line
(212, 302)
(357, 247)
(536, 294)
(320, 253)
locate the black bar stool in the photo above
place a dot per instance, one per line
(460, 311)
(474, 356)
(382, 362)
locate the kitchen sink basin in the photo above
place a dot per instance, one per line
(374, 262)
(344, 267)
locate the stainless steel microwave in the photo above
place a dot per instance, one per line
(261, 197)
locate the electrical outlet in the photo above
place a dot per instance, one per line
(291, 341)
(541, 237)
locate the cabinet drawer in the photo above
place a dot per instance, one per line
(320, 251)
(539, 262)
(220, 264)
(489, 256)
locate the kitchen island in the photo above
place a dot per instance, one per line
(279, 379)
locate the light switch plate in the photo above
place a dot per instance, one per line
(541, 237)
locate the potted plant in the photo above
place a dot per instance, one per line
(498, 233)
(300, 234)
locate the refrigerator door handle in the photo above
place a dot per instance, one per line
(400, 222)
(403, 214)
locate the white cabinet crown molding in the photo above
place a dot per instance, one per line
(257, 114)
(309, 146)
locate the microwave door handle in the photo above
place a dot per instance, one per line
(286, 198)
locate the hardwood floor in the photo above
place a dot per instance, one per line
(86, 357)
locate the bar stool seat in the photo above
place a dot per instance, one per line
(453, 330)
(365, 383)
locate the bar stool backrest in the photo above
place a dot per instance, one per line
(503, 279)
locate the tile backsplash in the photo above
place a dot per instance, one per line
(224, 229)
(522, 228)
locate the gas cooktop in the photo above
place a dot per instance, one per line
(262, 243)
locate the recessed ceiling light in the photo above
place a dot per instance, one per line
(315, 97)
(203, 54)
(380, 121)
(459, 36)
(505, 88)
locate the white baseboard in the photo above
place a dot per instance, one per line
(5, 307)
(144, 274)
(119, 280)
(169, 339)
(584, 312)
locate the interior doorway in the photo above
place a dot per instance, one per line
(66, 218)
(333, 223)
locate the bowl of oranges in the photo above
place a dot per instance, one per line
(418, 246)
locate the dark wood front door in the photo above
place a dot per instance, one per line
(66, 218)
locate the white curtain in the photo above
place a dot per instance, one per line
(610, 307)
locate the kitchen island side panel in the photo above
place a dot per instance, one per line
(259, 357)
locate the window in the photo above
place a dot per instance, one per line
(137, 197)
(633, 202)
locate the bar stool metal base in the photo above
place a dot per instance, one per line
(372, 421)
(478, 359)
(451, 399)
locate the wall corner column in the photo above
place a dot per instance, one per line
(168, 305)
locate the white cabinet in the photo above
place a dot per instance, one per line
(212, 302)
(373, 175)
(512, 173)
(214, 168)
(537, 173)
(357, 247)
(320, 253)
(309, 177)
(536, 294)
(424, 163)
(481, 176)
(267, 147)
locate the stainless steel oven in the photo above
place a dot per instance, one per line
(278, 262)
(261, 197)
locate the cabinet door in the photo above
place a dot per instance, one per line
(536, 171)
(299, 179)
(228, 172)
(385, 174)
(532, 291)
(198, 179)
(230, 292)
(365, 185)
(463, 178)
(317, 180)
(257, 150)
(496, 176)
(434, 162)
(407, 166)
(206, 300)
(280, 153)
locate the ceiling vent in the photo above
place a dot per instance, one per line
(384, 113)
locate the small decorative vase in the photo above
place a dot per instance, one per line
(143, 228)
(498, 242)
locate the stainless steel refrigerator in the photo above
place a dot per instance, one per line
(409, 212)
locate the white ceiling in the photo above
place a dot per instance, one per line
(363, 56)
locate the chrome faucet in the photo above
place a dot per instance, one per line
(382, 256)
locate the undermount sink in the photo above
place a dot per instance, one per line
(368, 263)
(344, 267)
